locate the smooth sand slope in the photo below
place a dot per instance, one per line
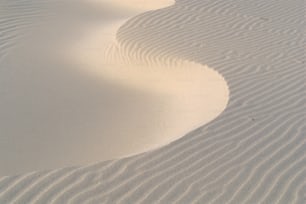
(254, 152)
(78, 97)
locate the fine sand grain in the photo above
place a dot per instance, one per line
(254, 152)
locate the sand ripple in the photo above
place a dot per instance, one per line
(254, 152)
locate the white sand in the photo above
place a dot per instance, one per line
(112, 105)
(254, 152)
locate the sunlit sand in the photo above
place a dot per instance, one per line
(90, 100)
(125, 101)
(191, 94)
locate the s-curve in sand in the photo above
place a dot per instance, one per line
(77, 96)
(70, 68)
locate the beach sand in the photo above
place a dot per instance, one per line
(76, 76)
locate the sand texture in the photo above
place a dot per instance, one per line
(253, 152)
(79, 96)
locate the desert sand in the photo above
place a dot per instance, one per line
(77, 75)
(78, 96)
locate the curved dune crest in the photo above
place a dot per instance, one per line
(89, 92)
(254, 152)
(191, 94)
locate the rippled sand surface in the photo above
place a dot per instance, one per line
(253, 152)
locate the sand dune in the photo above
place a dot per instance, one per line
(254, 152)
(83, 91)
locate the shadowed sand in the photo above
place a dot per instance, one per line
(79, 97)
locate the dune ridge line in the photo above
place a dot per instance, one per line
(254, 152)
